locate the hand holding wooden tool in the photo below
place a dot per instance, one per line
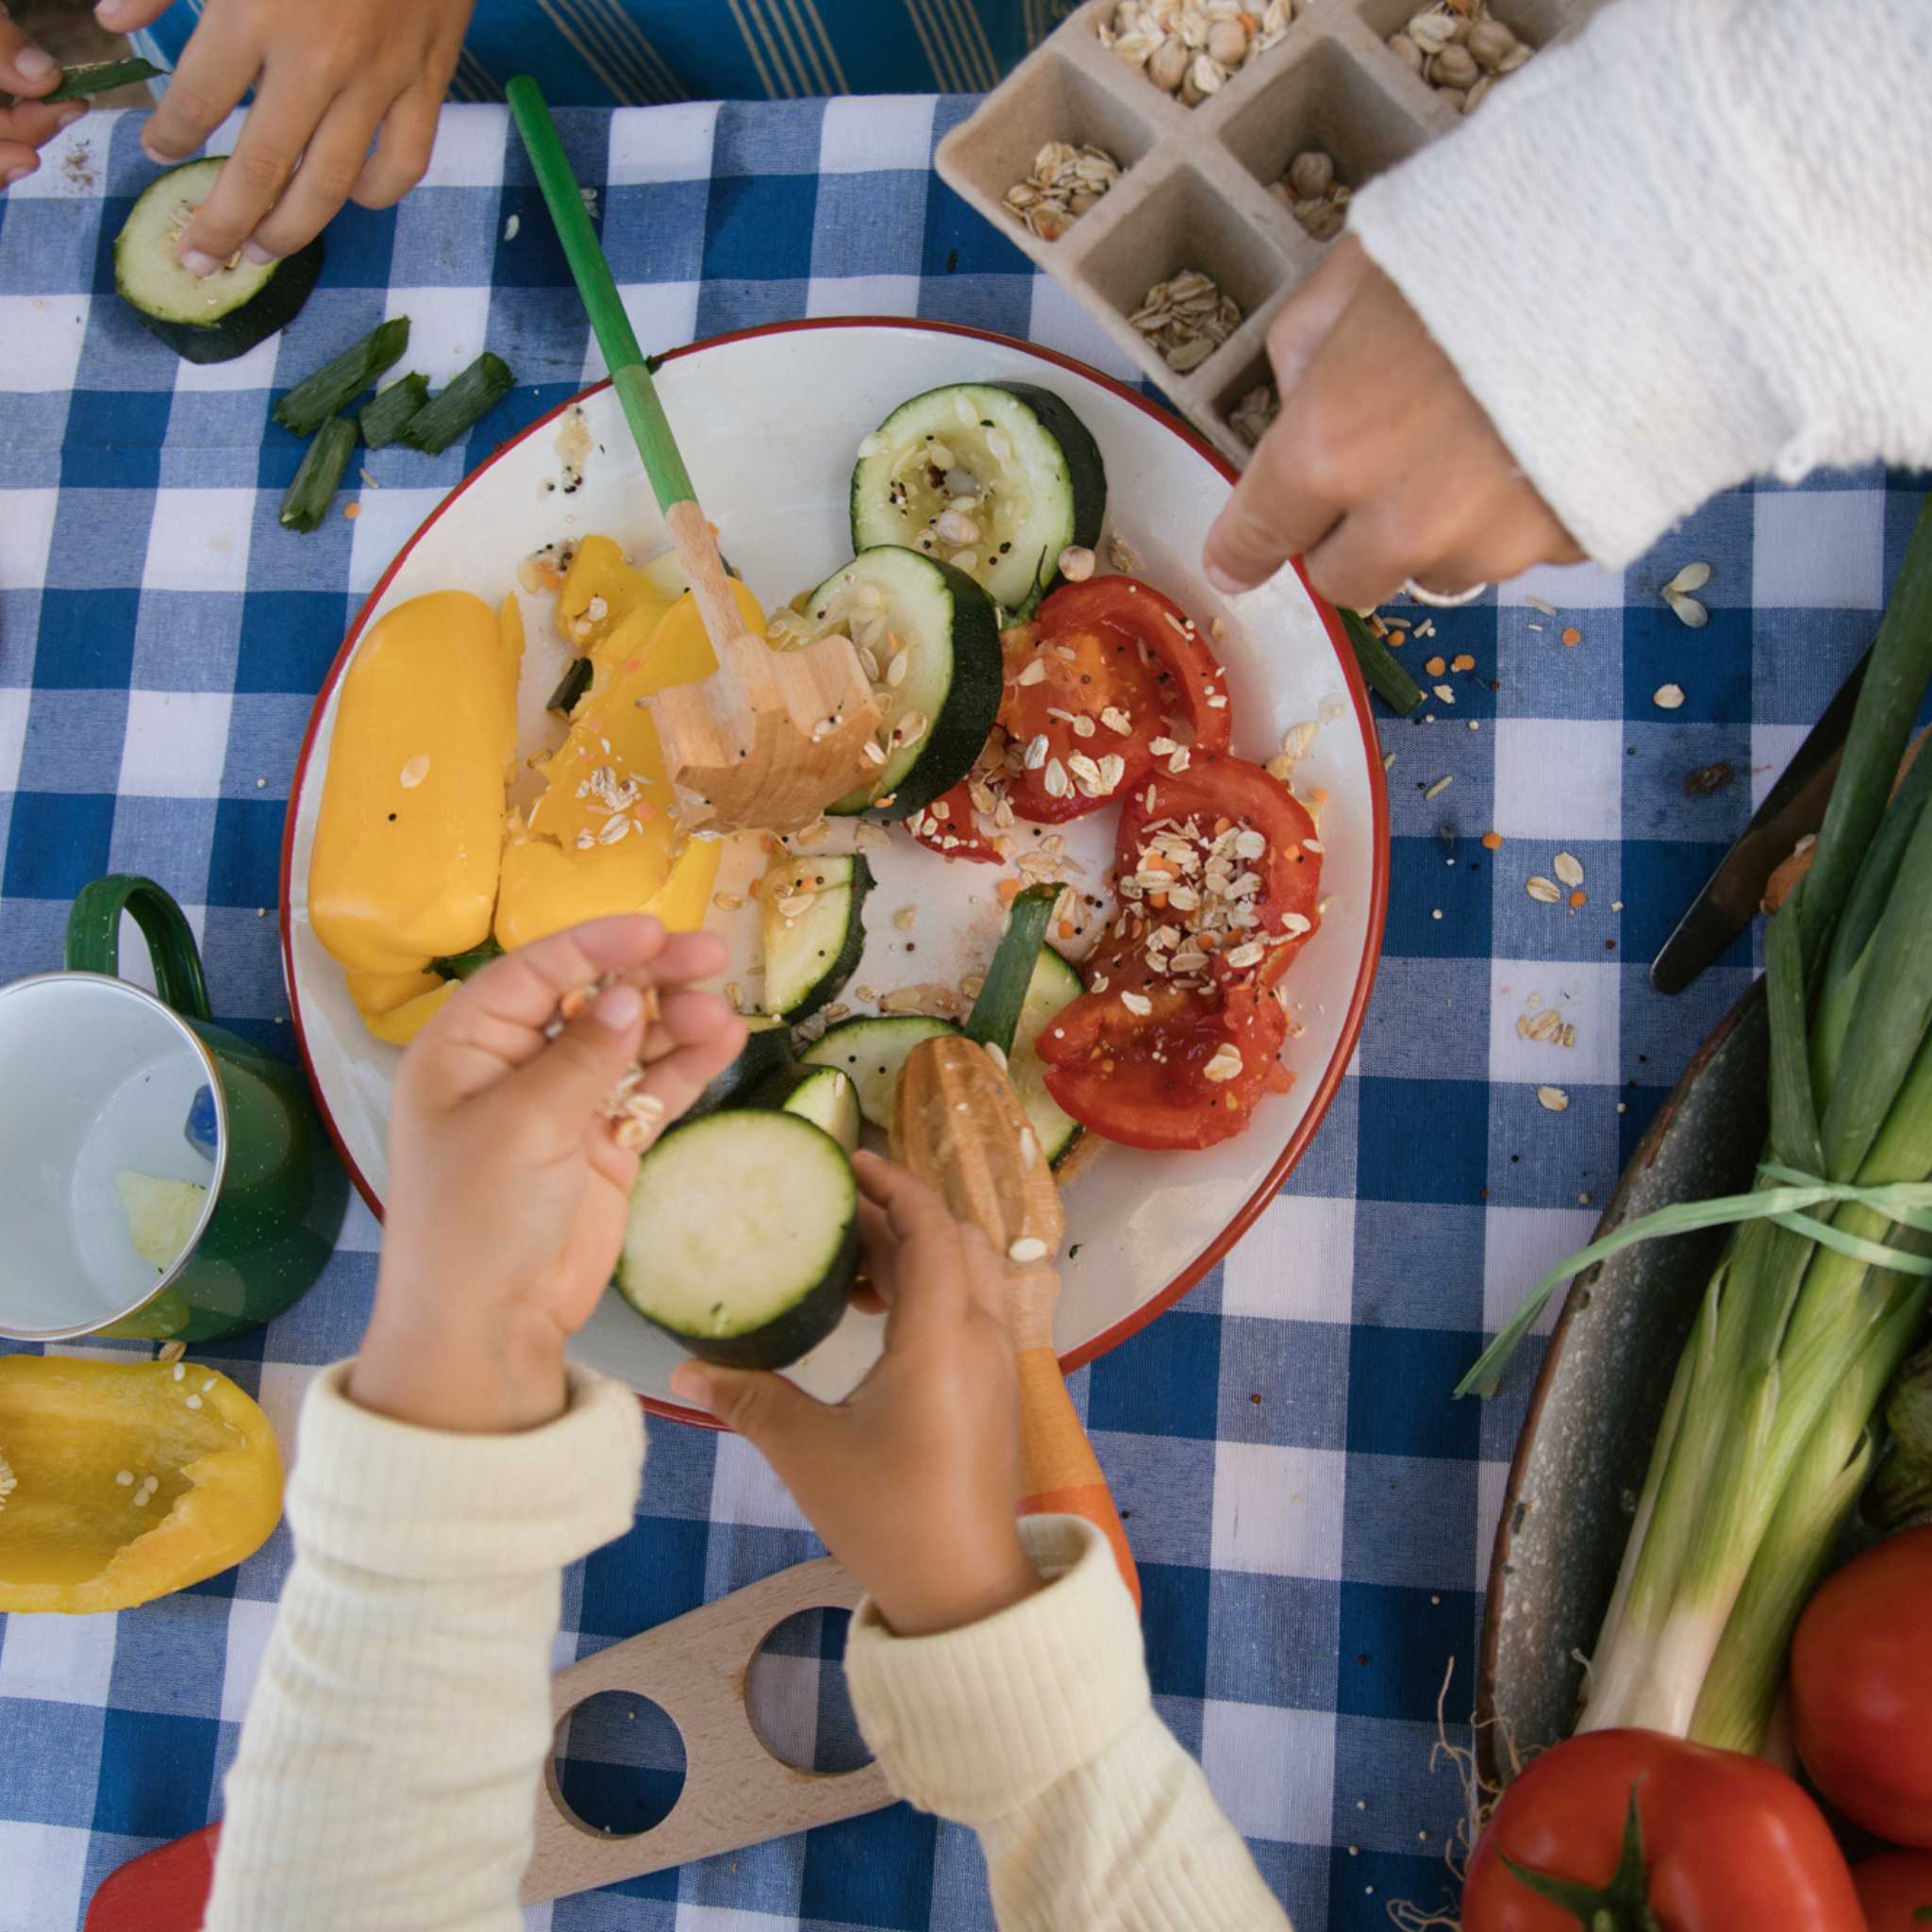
(960, 1129)
(772, 737)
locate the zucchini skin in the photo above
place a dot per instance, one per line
(278, 305)
(1086, 478)
(781, 1341)
(767, 1053)
(832, 981)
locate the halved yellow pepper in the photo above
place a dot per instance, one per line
(410, 839)
(564, 870)
(401, 1025)
(131, 1480)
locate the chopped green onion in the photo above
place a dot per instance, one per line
(384, 418)
(460, 965)
(1901, 1492)
(339, 380)
(1385, 678)
(321, 474)
(460, 407)
(99, 77)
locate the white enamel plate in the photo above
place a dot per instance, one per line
(782, 412)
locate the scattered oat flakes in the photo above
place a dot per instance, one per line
(1249, 420)
(1065, 183)
(1187, 318)
(1553, 1098)
(1545, 891)
(1668, 697)
(1568, 868)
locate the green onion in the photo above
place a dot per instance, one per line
(339, 380)
(100, 77)
(392, 409)
(460, 407)
(1901, 1492)
(995, 1015)
(1766, 1437)
(1385, 678)
(574, 682)
(321, 474)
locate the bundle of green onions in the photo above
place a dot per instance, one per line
(1767, 1436)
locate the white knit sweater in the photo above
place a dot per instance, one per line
(388, 1764)
(1692, 246)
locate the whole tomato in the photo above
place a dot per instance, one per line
(1895, 1888)
(1722, 1843)
(1861, 1689)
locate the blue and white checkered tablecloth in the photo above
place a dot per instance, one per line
(1311, 1512)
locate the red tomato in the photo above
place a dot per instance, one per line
(1185, 973)
(1861, 1689)
(950, 826)
(1730, 1844)
(1130, 667)
(1895, 1888)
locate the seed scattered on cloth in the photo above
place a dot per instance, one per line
(1668, 697)
(1572, 637)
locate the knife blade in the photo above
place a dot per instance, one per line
(1793, 807)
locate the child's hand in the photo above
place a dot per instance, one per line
(329, 77)
(1381, 466)
(913, 1480)
(507, 1188)
(26, 127)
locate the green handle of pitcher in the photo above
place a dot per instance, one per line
(94, 938)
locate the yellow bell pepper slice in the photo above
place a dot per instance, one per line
(130, 1480)
(409, 838)
(600, 591)
(564, 870)
(401, 1025)
(377, 993)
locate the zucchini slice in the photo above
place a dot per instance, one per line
(935, 720)
(1011, 466)
(767, 1051)
(203, 318)
(814, 931)
(823, 1096)
(995, 1015)
(871, 1051)
(742, 1237)
(1055, 984)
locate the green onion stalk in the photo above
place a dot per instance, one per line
(1767, 1436)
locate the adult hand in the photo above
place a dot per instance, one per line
(914, 1478)
(26, 127)
(507, 1187)
(1381, 466)
(329, 77)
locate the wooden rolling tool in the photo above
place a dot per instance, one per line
(737, 1791)
(771, 738)
(959, 1127)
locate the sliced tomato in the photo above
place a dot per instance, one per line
(1108, 669)
(1141, 1078)
(950, 826)
(1183, 981)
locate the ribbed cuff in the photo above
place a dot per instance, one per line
(1552, 246)
(976, 1723)
(423, 1505)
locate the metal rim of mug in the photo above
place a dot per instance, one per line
(1442, 600)
(126, 988)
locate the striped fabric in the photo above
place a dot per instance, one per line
(600, 52)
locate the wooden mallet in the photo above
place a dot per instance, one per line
(958, 1126)
(771, 738)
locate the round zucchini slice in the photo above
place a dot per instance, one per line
(203, 318)
(995, 478)
(936, 710)
(743, 1239)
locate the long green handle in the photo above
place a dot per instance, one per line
(629, 376)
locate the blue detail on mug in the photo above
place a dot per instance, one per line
(203, 1130)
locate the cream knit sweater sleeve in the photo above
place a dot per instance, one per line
(1693, 245)
(387, 1776)
(1037, 1729)
(388, 1770)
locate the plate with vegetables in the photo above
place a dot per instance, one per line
(1130, 837)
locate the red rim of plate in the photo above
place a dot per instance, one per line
(1378, 886)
